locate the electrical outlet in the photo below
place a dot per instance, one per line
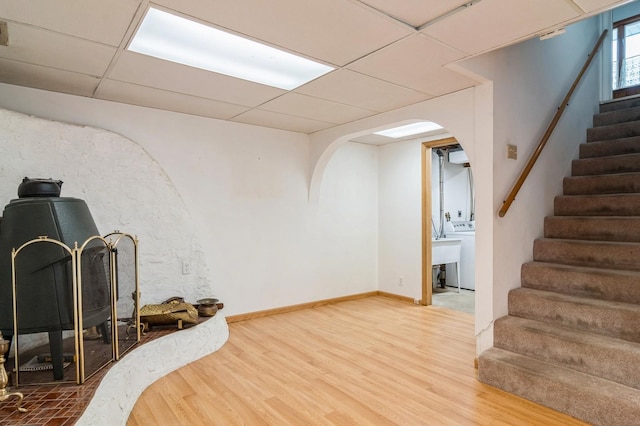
(186, 267)
(401, 281)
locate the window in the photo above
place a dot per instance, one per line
(626, 53)
(173, 38)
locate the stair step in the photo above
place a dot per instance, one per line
(616, 116)
(571, 339)
(610, 147)
(589, 398)
(582, 281)
(614, 131)
(608, 318)
(619, 183)
(597, 254)
(593, 228)
(627, 163)
(597, 205)
(621, 103)
(601, 356)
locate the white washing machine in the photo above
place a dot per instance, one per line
(466, 231)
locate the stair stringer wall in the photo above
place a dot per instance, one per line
(525, 98)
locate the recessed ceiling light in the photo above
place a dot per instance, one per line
(173, 38)
(409, 129)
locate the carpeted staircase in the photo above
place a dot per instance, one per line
(571, 340)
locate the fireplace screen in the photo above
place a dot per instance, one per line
(64, 289)
(84, 339)
(126, 302)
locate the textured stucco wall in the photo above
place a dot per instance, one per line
(124, 188)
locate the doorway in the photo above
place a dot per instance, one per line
(455, 282)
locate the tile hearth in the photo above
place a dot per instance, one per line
(61, 404)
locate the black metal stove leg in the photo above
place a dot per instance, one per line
(106, 334)
(57, 357)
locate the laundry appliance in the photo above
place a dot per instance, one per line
(466, 231)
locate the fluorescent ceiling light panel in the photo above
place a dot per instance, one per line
(410, 129)
(172, 38)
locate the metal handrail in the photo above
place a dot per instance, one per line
(534, 157)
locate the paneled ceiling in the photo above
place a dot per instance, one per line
(387, 53)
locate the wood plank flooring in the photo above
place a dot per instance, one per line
(373, 361)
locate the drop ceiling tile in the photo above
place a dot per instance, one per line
(102, 21)
(127, 93)
(316, 109)
(52, 79)
(43, 47)
(415, 12)
(422, 59)
(147, 71)
(334, 31)
(281, 121)
(352, 88)
(597, 5)
(442, 80)
(493, 23)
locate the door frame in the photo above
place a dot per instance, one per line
(427, 235)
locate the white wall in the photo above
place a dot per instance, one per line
(400, 211)
(529, 82)
(115, 177)
(244, 190)
(400, 219)
(347, 221)
(626, 11)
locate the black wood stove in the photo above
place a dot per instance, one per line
(44, 274)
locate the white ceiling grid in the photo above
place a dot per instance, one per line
(387, 54)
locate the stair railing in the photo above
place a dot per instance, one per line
(534, 157)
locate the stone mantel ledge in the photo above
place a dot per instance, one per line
(132, 374)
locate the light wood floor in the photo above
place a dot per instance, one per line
(373, 361)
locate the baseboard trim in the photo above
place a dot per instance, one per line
(397, 297)
(292, 308)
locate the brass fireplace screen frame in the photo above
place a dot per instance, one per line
(111, 242)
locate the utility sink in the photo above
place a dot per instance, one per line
(445, 250)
